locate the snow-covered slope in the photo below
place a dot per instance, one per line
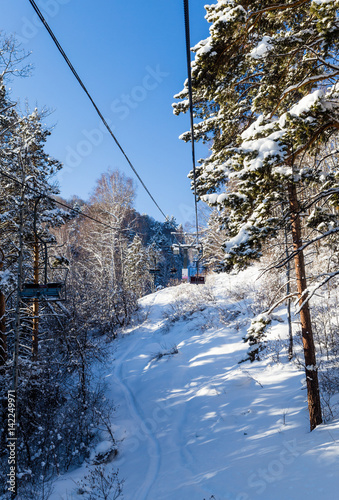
(192, 423)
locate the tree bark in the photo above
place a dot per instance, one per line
(311, 371)
(35, 329)
(3, 337)
(288, 291)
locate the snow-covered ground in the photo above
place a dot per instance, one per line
(192, 423)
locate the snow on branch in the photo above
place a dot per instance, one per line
(280, 301)
(320, 196)
(279, 6)
(305, 245)
(311, 290)
(316, 94)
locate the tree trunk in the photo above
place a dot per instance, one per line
(288, 290)
(17, 329)
(311, 371)
(3, 337)
(35, 329)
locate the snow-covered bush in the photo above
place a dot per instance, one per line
(100, 485)
(255, 336)
(189, 300)
(165, 352)
(60, 408)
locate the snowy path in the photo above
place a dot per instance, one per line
(197, 425)
(238, 432)
(153, 449)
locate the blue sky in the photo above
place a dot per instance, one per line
(131, 57)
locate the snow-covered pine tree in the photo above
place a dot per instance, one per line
(265, 93)
(212, 239)
(55, 407)
(26, 173)
(29, 190)
(11, 59)
(5, 121)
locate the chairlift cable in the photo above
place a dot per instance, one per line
(62, 52)
(190, 98)
(43, 195)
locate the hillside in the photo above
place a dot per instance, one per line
(191, 423)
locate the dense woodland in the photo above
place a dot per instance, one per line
(100, 253)
(265, 98)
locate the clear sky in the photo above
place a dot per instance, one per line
(131, 57)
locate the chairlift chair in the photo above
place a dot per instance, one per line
(154, 271)
(176, 249)
(51, 291)
(197, 280)
(197, 249)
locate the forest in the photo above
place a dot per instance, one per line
(264, 96)
(71, 273)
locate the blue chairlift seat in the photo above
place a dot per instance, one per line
(154, 271)
(50, 291)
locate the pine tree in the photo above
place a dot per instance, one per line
(27, 192)
(4, 124)
(265, 94)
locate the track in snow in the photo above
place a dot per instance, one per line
(136, 414)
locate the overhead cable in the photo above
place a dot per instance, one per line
(43, 195)
(190, 99)
(62, 52)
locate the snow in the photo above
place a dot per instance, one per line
(231, 15)
(266, 147)
(283, 171)
(256, 127)
(210, 198)
(197, 423)
(204, 47)
(265, 140)
(239, 239)
(321, 2)
(305, 104)
(262, 48)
